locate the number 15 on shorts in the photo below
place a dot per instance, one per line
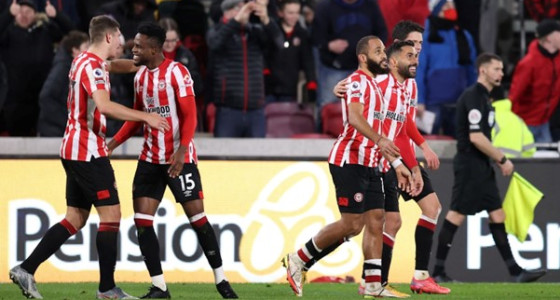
(187, 183)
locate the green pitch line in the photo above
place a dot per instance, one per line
(262, 291)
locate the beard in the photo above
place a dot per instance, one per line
(405, 72)
(376, 68)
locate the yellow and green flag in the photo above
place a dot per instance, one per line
(519, 206)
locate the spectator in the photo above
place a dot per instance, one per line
(26, 46)
(174, 50)
(535, 86)
(87, 10)
(53, 112)
(395, 11)
(129, 13)
(295, 55)
(337, 27)
(510, 134)
(237, 48)
(446, 66)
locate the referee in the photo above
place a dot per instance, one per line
(475, 188)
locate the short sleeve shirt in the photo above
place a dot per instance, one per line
(474, 114)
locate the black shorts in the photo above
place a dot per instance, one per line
(474, 187)
(358, 188)
(426, 190)
(151, 179)
(391, 190)
(90, 183)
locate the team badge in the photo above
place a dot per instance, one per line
(98, 73)
(161, 85)
(358, 197)
(474, 116)
(150, 101)
(296, 41)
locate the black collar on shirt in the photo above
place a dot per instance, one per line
(545, 52)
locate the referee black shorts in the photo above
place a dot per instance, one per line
(474, 187)
(90, 183)
(150, 180)
(358, 188)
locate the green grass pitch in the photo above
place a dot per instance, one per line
(201, 291)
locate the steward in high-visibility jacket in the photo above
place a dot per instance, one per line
(510, 134)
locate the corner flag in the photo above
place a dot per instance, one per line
(519, 206)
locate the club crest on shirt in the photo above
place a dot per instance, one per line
(150, 101)
(97, 73)
(358, 197)
(296, 41)
(474, 116)
(161, 85)
(187, 79)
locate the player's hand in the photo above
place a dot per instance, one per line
(404, 179)
(50, 10)
(176, 162)
(157, 122)
(431, 158)
(338, 46)
(14, 8)
(388, 148)
(417, 183)
(111, 145)
(507, 168)
(340, 89)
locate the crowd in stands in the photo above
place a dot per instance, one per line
(251, 59)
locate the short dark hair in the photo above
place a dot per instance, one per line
(73, 40)
(99, 25)
(397, 46)
(283, 3)
(404, 28)
(485, 58)
(153, 32)
(362, 45)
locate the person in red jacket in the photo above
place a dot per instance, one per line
(535, 87)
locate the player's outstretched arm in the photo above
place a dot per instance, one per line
(121, 66)
(121, 112)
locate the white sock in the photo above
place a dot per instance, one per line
(159, 282)
(219, 275)
(421, 274)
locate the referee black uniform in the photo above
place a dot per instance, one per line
(474, 188)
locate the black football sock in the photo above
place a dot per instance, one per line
(49, 244)
(106, 242)
(322, 254)
(500, 238)
(149, 245)
(386, 256)
(423, 237)
(444, 244)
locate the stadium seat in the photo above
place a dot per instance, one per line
(210, 117)
(331, 119)
(285, 119)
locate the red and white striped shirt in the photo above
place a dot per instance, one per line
(84, 136)
(413, 91)
(161, 90)
(351, 146)
(397, 100)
